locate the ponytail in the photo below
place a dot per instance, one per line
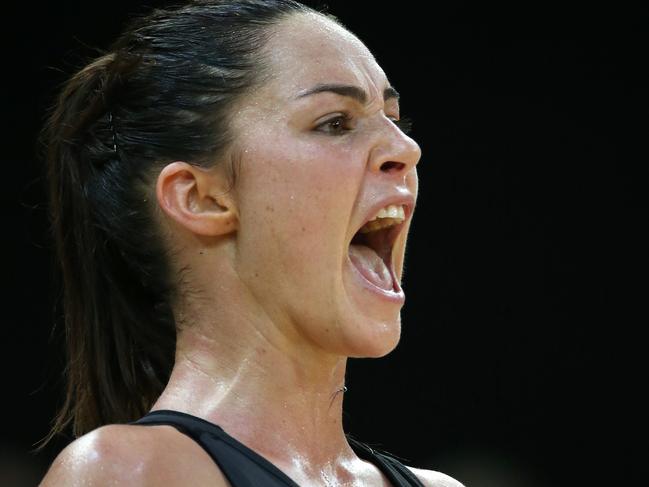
(119, 329)
(164, 92)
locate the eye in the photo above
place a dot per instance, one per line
(337, 125)
(404, 124)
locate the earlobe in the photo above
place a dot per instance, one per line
(197, 199)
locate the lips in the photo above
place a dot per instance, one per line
(371, 253)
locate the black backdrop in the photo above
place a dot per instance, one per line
(520, 362)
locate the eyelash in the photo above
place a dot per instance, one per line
(404, 124)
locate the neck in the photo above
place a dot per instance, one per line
(285, 403)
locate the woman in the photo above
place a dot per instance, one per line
(231, 191)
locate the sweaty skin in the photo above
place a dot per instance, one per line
(275, 307)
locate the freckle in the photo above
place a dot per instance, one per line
(303, 229)
(270, 208)
(326, 330)
(256, 274)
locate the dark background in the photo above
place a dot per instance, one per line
(521, 362)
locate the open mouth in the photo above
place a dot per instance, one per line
(370, 251)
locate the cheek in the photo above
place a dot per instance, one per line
(298, 203)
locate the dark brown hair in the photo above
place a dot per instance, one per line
(162, 92)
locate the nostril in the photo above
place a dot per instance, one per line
(392, 166)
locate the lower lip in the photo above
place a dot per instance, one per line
(396, 295)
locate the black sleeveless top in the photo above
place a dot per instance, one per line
(245, 468)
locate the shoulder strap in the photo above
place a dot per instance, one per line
(230, 455)
(242, 466)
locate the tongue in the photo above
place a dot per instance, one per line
(371, 266)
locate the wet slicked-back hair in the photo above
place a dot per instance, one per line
(164, 91)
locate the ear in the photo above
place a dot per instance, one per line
(198, 199)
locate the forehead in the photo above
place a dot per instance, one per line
(309, 49)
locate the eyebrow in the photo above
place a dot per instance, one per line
(350, 91)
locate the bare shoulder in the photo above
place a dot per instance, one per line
(131, 456)
(431, 478)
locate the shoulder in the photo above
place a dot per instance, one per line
(131, 456)
(431, 478)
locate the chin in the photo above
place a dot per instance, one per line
(375, 339)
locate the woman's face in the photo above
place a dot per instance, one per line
(314, 169)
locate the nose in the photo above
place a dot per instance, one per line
(394, 152)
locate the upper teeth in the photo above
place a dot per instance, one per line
(391, 211)
(386, 217)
